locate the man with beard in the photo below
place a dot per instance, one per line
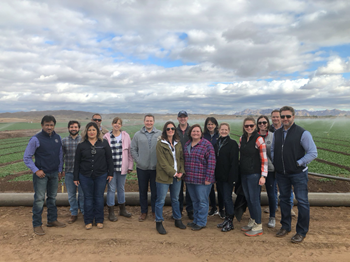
(69, 146)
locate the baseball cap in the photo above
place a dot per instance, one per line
(182, 112)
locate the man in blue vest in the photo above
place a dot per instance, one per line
(291, 150)
(46, 147)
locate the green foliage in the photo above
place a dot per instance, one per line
(28, 177)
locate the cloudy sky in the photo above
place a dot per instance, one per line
(160, 56)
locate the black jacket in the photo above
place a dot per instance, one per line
(226, 151)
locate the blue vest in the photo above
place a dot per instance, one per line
(47, 155)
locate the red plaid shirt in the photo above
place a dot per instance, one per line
(199, 162)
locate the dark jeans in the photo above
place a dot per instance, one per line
(93, 189)
(143, 177)
(226, 191)
(212, 198)
(299, 183)
(251, 189)
(48, 183)
(270, 190)
(189, 206)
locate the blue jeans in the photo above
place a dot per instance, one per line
(162, 190)
(200, 201)
(93, 189)
(117, 183)
(252, 190)
(143, 177)
(291, 197)
(271, 194)
(299, 183)
(189, 207)
(72, 195)
(49, 183)
(226, 192)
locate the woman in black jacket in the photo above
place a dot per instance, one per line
(226, 172)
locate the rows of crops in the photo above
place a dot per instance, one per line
(329, 135)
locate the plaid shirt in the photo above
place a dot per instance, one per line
(69, 146)
(117, 150)
(199, 162)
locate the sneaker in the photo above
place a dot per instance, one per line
(39, 231)
(55, 224)
(222, 214)
(228, 226)
(213, 212)
(267, 210)
(88, 226)
(99, 225)
(293, 213)
(272, 222)
(255, 231)
(250, 225)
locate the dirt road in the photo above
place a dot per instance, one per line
(130, 240)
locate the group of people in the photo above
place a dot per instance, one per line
(171, 159)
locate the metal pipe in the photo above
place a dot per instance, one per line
(132, 199)
(329, 176)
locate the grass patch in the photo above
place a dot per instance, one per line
(28, 177)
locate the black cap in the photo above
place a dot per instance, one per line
(182, 112)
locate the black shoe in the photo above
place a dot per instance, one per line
(221, 225)
(282, 232)
(190, 215)
(228, 226)
(160, 228)
(179, 224)
(197, 228)
(297, 238)
(222, 214)
(213, 212)
(190, 224)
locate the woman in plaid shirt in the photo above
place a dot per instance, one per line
(199, 158)
(253, 167)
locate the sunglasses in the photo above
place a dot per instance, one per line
(246, 126)
(286, 116)
(168, 129)
(93, 150)
(97, 119)
(262, 123)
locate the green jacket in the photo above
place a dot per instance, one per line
(165, 162)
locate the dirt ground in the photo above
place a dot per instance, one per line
(130, 240)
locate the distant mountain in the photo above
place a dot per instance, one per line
(303, 112)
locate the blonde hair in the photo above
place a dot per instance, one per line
(225, 124)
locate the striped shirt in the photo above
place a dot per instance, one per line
(69, 146)
(260, 144)
(117, 150)
(199, 162)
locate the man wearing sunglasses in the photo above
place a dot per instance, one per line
(292, 149)
(97, 118)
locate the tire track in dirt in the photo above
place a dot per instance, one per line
(333, 151)
(12, 153)
(332, 164)
(10, 163)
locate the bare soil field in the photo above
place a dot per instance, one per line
(130, 240)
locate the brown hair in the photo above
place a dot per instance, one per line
(225, 124)
(191, 128)
(267, 119)
(249, 118)
(84, 135)
(116, 119)
(288, 108)
(165, 135)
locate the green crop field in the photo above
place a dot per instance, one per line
(329, 135)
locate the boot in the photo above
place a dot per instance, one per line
(111, 216)
(249, 226)
(123, 211)
(160, 228)
(223, 224)
(228, 226)
(179, 224)
(255, 231)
